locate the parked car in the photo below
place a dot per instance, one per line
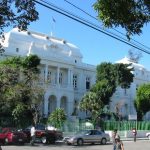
(12, 136)
(43, 134)
(88, 136)
(148, 135)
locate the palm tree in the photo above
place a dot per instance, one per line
(90, 103)
(57, 118)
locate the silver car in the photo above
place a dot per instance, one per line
(88, 136)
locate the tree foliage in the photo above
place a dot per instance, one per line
(109, 76)
(18, 13)
(19, 88)
(116, 74)
(124, 75)
(91, 103)
(105, 71)
(142, 101)
(129, 14)
(57, 118)
(103, 91)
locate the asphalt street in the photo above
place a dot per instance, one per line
(128, 145)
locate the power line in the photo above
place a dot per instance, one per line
(113, 34)
(98, 20)
(84, 19)
(85, 22)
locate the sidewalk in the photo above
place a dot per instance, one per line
(131, 139)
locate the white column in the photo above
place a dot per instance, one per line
(58, 100)
(58, 103)
(46, 72)
(58, 71)
(70, 105)
(69, 77)
(46, 104)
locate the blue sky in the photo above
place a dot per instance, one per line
(95, 46)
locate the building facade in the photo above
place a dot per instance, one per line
(124, 99)
(64, 76)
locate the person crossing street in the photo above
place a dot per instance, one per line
(32, 135)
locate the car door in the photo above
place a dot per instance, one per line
(3, 134)
(97, 135)
(89, 137)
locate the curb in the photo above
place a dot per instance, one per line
(132, 139)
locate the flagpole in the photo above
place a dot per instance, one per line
(53, 26)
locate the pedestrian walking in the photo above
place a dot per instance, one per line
(118, 144)
(134, 134)
(114, 136)
(32, 135)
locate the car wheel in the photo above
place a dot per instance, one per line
(149, 137)
(68, 143)
(79, 142)
(44, 140)
(51, 140)
(103, 141)
(22, 143)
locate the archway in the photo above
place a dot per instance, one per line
(52, 103)
(63, 103)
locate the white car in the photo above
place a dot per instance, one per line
(148, 135)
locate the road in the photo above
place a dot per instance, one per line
(128, 145)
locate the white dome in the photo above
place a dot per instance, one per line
(30, 42)
(126, 60)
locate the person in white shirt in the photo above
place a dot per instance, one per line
(32, 131)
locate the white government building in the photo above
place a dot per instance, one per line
(125, 99)
(65, 76)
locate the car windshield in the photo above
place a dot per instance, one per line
(40, 127)
(5, 130)
(37, 127)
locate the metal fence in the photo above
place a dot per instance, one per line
(77, 125)
(126, 125)
(107, 125)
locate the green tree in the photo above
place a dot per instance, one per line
(139, 112)
(8, 76)
(109, 76)
(116, 75)
(18, 13)
(91, 103)
(57, 118)
(20, 89)
(103, 90)
(129, 14)
(124, 75)
(142, 101)
(106, 71)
